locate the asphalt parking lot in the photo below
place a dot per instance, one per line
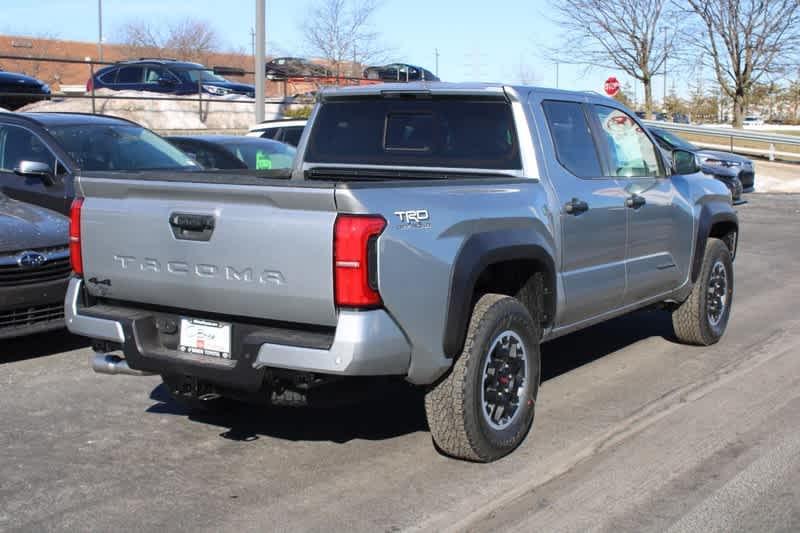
(633, 432)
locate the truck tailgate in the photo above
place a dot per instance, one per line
(261, 251)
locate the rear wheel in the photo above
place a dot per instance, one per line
(484, 408)
(703, 317)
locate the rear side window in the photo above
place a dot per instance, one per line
(432, 132)
(291, 135)
(575, 148)
(108, 77)
(269, 133)
(130, 75)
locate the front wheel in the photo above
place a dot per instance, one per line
(483, 409)
(703, 317)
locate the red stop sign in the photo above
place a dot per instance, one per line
(611, 86)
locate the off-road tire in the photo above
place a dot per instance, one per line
(690, 320)
(453, 405)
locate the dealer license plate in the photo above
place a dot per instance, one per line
(205, 337)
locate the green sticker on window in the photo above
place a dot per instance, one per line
(263, 162)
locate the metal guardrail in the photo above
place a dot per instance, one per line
(730, 133)
(749, 142)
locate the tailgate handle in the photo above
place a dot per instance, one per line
(192, 227)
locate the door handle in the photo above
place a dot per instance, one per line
(635, 201)
(576, 207)
(191, 227)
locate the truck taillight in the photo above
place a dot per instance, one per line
(355, 239)
(75, 258)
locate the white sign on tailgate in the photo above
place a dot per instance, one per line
(205, 337)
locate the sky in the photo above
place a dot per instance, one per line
(477, 40)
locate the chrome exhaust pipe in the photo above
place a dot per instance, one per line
(111, 364)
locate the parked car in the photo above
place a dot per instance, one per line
(286, 131)
(281, 68)
(166, 76)
(439, 237)
(34, 268)
(753, 120)
(399, 72)
(22, 90)
(680, 118)
(737, 172)
(230, 152)
(60, 145)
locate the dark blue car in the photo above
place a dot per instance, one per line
(166, 76)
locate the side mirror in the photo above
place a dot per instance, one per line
(684, 162)
(35, 169)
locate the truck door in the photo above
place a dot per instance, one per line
(660, 223)
(593, 216)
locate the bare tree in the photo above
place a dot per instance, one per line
(339, 31)
(632, 35)
(189, 39)
(746, 40)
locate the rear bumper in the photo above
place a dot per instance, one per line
(365, 343)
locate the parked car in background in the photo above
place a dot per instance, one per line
(680, 118)
(166, 76)
(22, 89)
(753, 120)
(230, 152)
(281, 68)
(41, 153)
(34, 268)
(286, 131)
(399, 72)
(735, 171)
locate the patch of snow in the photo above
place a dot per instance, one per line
(771, 184)
(163, 112)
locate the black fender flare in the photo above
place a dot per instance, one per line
(710, 214)
(477, 253)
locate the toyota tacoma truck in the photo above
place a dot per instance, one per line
(434, 232)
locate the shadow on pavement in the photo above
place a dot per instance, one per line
(582, 347)
(39, 345)
(398, 409)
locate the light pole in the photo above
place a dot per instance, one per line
(260, 59)
(437, 62)
(556, 74)
(100, 29)
(664, 102)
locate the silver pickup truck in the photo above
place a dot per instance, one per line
(433, 232)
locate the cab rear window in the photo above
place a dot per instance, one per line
(424, 132)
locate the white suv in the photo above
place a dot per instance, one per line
(286, 130)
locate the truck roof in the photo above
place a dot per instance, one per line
(445, 88)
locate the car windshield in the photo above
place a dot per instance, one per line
(195, 75)
(119, 147)
(673, 140)
(264, 155)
